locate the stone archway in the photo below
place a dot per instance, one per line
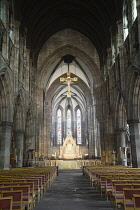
(134, 116)
(6, 117)
(121, 122)
(19, 129)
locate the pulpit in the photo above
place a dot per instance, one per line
(69, 149)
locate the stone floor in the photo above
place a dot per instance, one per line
(71, 191)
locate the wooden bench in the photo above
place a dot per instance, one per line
(136, 201)
(117, 196)
(127, 203)
(17, 198)
(6, 203)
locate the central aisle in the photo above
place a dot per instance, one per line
(71, 191)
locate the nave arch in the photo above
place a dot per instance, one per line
(6, 116)
(133, 120)
(48, 61)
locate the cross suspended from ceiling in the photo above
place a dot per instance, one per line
(68, 79)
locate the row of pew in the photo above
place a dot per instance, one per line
(120, 184)
(22, 188)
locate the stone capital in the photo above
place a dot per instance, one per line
(28, 136)
(138, 3)
(5, 123)
(119, 22)
(120, 130)
(133, 121)
(17, 23)
(19, 131)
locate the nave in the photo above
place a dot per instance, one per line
(71, 190)
(100, 187)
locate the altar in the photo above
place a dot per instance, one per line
(69, 149)
(69, 155)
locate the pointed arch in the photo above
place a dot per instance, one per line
(136, 99)
(133, 93)
(19, 112)
(6, 93)
(120, 114)
(29, 130)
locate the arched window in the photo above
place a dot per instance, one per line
(2, 11)
(125, 20)
(134, 10)
(59, 127)
(78, 126)
(68, 122)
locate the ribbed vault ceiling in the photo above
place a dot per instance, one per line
(92, 18)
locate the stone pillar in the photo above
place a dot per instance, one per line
(55, 134)
(121, 146)
(83, 131)
(138, 14)
(19, 142)
(64, 128)
(63, 131)
(90, 132)
(134, 127)
(72, 125)
(120, 33)
(109, 147)
(5, 143)
(75, 130)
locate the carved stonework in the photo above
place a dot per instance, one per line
(69, 149)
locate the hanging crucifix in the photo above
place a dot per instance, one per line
(68, 79)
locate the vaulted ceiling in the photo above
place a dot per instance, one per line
(93, 18)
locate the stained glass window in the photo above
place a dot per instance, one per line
(68, 122)
(59, 127)
(125, 21)
(79, 126)
(134, 10)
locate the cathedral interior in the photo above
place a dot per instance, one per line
(69, 81)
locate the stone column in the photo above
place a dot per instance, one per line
(83, 130)
(90, 132)
(19, 142)
(75, 129)
(121, 146)
(55, 134)
(109, 147)
(134, 127)
(138, 14)
(63, 131)
(5, 143)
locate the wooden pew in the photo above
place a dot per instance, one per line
(117, 196)
(128, 203)
(6, 203)
(17, 199)
(27, 199)
(136, 201)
